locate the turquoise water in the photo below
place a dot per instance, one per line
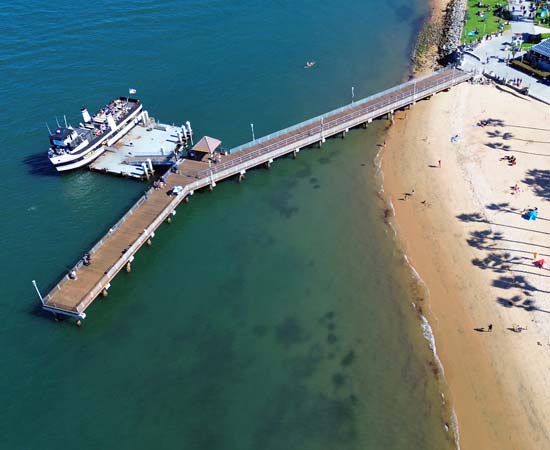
(273, 314)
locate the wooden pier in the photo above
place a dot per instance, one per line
(117, 249)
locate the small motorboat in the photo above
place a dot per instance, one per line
(309, 64)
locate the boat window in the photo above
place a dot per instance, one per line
(58, 143)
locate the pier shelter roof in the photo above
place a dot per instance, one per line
(207, 144)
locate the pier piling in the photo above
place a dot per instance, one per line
(116, 249)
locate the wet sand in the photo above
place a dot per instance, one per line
(463, 232)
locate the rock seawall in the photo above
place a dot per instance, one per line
(440, 36)
(453, 25)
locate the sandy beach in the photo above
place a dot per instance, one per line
(461, 226)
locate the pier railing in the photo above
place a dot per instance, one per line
(254, 153)
(98, 244)
(336, 121)
(452, 74)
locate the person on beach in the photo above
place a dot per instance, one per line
(439, 164)
(490, 327)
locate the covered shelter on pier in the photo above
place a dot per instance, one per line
(206, 146)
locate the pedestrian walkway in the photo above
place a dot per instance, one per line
(492, 56)
(91, 276)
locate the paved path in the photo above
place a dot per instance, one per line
(492, 55)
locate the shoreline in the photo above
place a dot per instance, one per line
(492, 400)
(419, 291)
(490, 413)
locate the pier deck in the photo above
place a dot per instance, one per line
(117, 248)
(154, 144)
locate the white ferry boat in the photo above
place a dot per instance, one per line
(72, 148)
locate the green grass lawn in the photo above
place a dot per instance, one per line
(485, 26)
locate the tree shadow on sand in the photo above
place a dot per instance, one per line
(488, 240)
(518, 282)
(472, 217)
(505, 207)
(497, 134)
(518, 302)
(496, 262)
(483, 239)
(494, 122)
(499, 146)
(508, 148)
(539, 181)
(505, 262)
(479, 218)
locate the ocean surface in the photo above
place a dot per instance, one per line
(274, 314)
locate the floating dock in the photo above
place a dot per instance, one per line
(144, 147)
(91, 277)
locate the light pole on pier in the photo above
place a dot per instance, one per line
(352, 93)
(212, 182)
(37, 291)
(252, 128)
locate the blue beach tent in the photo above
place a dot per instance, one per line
(531, 215)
